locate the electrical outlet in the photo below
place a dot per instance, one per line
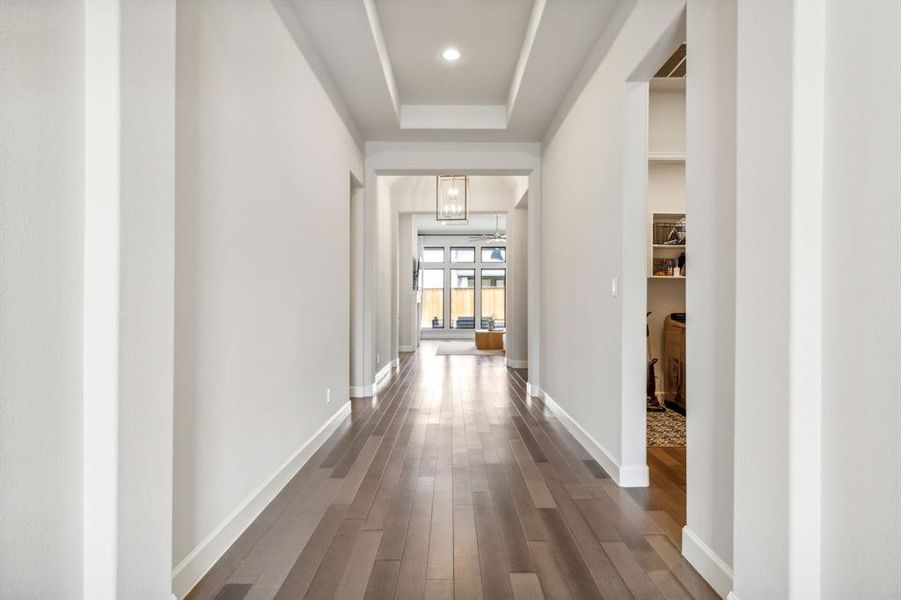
(328, 395)
(378, 359)
(614, 287)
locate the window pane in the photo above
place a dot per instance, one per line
(494, 254)
(463, 298)
(433, 255)
(465, 255)
(494, 297)
(432, 316)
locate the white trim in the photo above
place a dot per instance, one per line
(382, 373)
(666, 157)
(533, 391)
(406, 348)
(453, 116)
(517, 364)
(375, 26)
(196, 564)
(706, 562)
(623, 475)
(524, 53)
(732, 596)
(360, 391)
(395, 363)
(448, 334)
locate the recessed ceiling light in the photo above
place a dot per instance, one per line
(451, 54)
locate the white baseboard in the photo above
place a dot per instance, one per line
(383, 373)
(365, 391)
(623, 475)
(731, 596)
(196, 564)
(448, 334)
(533, 391)
(631, 475)
(706, 562)
(360, 391)
(517, 364)
(406, 348)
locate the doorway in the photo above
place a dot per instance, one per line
(666, 272)
(457, 283)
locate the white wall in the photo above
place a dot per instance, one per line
(710, 287)
(385, 278)
(770, 179)
(407, 251)
(818, 291)
(582, 349)
(41, 249)
(146, 321)
(517, 347)
(262, 246)
(416, 194)
(357, 301)
(861, 437)
(666, 117)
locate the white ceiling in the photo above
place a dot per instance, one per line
(417, 32)
(478, 223)
(380, 61)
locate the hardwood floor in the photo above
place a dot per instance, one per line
(451, 483)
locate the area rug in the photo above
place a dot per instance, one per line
(666, 429)
(467, 348)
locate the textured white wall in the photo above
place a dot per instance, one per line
(262, 247)
(861, 477)
(41, 243)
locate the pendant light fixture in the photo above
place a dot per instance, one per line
(451, 199)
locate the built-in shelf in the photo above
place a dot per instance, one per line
(663, 253)
(666, 157)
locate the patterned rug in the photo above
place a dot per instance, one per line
(666, 429)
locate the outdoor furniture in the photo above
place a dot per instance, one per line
(466, 323)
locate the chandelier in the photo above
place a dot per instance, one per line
(451, 198)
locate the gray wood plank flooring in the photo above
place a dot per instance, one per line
(452, 483)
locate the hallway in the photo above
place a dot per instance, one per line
(451, 483)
